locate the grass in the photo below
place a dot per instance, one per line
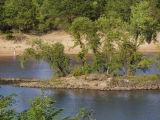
(56, 81)
(147, 78)
(141, 78)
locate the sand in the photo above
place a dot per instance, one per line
(7, 46)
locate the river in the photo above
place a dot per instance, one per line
(108, 105)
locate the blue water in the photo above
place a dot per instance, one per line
(108, 105)
(10, 68)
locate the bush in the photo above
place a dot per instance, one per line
(41, 108)
(52, 53)
(77, 71)
(82, 70)
(10, 36)
(5, 103)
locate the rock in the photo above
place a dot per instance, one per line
(126, 80)
(102, 85)
(110, 79)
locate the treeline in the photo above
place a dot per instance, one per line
(45, 15)
(39, 16)
(113, 36)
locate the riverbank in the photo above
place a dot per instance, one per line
(23, 40)
(94, 82)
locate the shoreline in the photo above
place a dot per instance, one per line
(7, 46)
(99, 82)
(19, 53)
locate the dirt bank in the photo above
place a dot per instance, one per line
(96, 82)
(7, 46)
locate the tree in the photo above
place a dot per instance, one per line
(120, 8)
(143, 28)
(26, 15)
(46, 16)
(53, 54)
(67, 11)
(41, 108)
(84, 33)
(111, 32)
(129, 58)
(143, 25)
(9, 13)
(2, 2)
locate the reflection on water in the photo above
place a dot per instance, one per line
(111, 105)
(10, 68)
(137, 105)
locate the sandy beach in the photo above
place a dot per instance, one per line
(7, 46)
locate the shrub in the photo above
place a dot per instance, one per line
(5, 112)
(10, 36)
(77, 71)
(52, 53)
(81, 70)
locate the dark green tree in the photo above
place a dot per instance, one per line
(84, 32)
(144, 26)
(2, 2)
(68, 10)
(42, 108)
(111, 32)
(53, 54)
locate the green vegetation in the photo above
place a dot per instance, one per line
(145, 78)
(139, 78)
(42, 108)
(53, 54)
(112, 31)
(114, 41)
(40, 16)
(142, 80)
(5, 112)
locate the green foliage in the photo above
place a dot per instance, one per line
(53, 54)
(146, 78)
(146, 62)
(111, 32)
(85, 36)
(157, 61)
(39, 16)
(42, 108)
(77, 71)
(2, 2)
(131, 59)
(67, 11)
(10, 36)
(142, 79)
(81, 57)
(83, 114)
(82, 70)
(120, 8)
(5, 112)
(84, 32)
(144, 26)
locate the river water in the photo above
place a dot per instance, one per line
(108, 105)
